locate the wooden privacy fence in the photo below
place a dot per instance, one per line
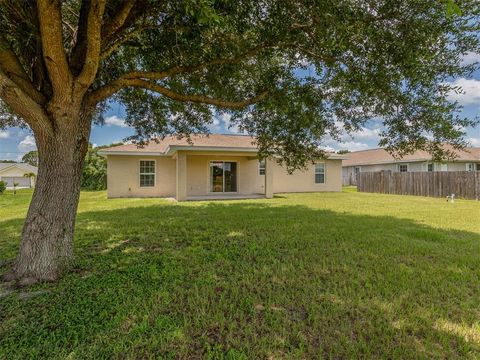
(464, 184)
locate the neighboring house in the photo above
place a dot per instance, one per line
(214, 166)
(374, 160)
(15, 173)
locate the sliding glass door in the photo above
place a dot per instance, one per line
(223, 176)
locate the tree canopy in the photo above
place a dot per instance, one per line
(31, 158)
(290, 72)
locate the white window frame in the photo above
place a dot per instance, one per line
(140, 173)
(470, 166)
(399, 166)
(260, 167)
(324, 173)
(432, 165)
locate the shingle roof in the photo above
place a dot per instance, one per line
(26, 167)
(381, 156)
(212, 140)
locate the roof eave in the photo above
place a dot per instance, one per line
(131, 153)
(172, 149)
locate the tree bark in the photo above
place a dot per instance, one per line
(46, 248)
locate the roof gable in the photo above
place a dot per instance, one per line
(25, 167)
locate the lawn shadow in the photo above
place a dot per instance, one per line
(256, 280)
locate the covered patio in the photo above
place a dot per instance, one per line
(226, 197)
(203, 175)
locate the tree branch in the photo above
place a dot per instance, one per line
(118, 20)
(50, 20)
(94, 43)
(105, 92)
(29, 110)
(122, 39)
(12, 68)
(153, 75)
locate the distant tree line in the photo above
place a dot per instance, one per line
(94, 175)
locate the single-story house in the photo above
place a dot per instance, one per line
(213, 166)
(15, 173)
(374, 160)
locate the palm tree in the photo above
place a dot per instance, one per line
(31, 176)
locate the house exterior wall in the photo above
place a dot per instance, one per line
(348, 177)
(304, 180)
(123, 178)
(18, 173)
(198, 174)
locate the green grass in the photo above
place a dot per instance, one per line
(333, 275)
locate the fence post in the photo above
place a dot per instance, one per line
(477, 185)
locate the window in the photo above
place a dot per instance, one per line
(261, 167)
(320, 173)
(147, 173)
(470, 167)
(478, 166)
(430, 167)
(223, 176)
(403, 167)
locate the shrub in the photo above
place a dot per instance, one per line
(3, 187)
(94, 175)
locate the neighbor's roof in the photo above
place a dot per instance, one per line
(170, 144)
(24, 166)
(381, 156)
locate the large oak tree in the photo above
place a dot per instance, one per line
(289, 72)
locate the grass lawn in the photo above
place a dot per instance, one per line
(334, 275)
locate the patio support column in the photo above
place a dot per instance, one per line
(269, 162)
(181, 177)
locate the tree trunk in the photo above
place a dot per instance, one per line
(46, 248)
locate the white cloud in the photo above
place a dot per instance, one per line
(470, 93)
(353, 146)
(115, 121)
(4, 134)
(215, 126)
(367, 134)
(222, 122)
(474, 141)
(327, 148)
(227, 122)
(27, 144)
(470, 58)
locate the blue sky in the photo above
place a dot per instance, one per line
(15, 142)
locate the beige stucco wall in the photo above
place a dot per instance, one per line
(304, 180)
(123, 179)
(16, 172)
(198, 174)
(123, 176)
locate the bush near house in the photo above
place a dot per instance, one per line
(304, 276)
(3, 187)
(94, 175)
